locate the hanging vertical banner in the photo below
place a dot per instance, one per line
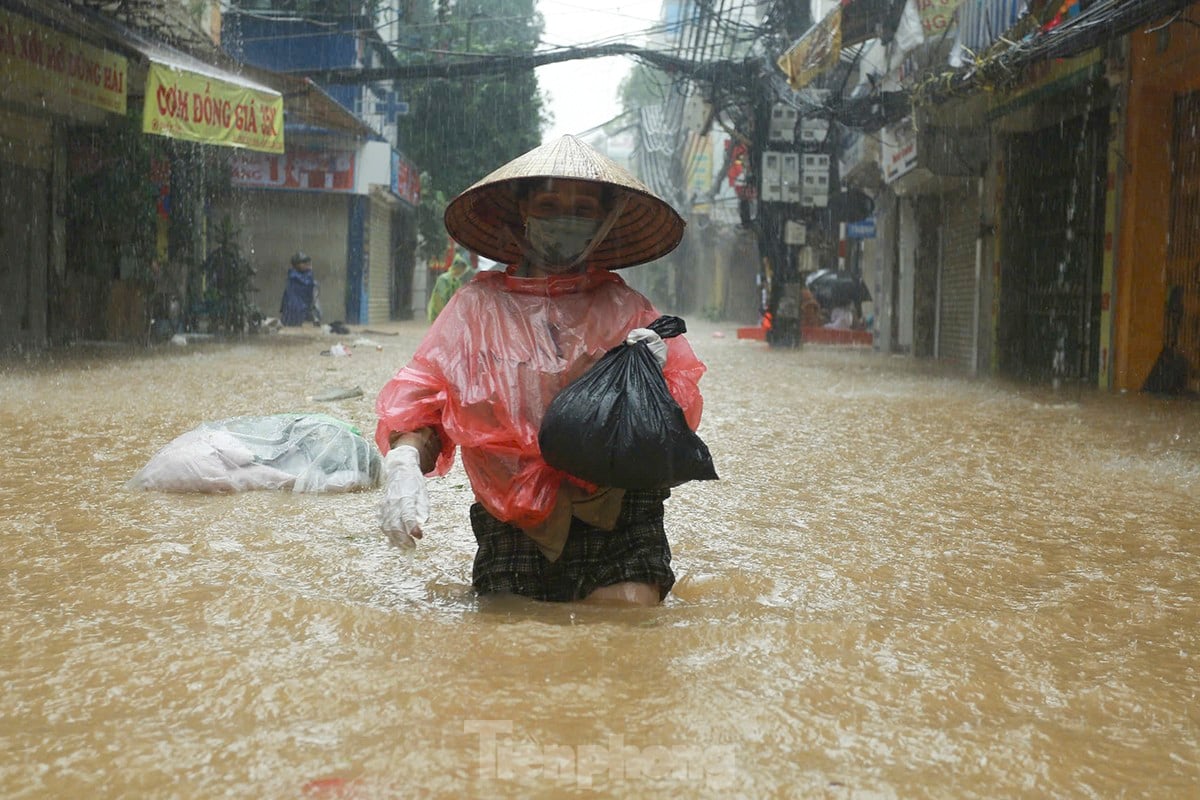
(406, 180)
(898, 149)
(183, 104)
(814, 52)
(937, 16)
(46, 60)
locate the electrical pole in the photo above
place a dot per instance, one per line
(771, 153)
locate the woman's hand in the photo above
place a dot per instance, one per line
(657, 346)
(405, 505)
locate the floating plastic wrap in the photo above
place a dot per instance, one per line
(618, 425)
(300, 452)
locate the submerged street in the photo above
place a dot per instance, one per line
(905, 584)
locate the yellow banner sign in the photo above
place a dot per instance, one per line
(188, 105)
(45, 60)
(815, 52)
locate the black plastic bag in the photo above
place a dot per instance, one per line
(618, 425)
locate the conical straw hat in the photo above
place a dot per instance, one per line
(648, 228)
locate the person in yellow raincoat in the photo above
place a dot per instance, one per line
(448, 283)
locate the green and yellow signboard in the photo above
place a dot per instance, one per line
(191, 105)
(35, 57)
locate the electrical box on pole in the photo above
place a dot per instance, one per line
(815, 180)
(783, 124)
(781, 177)
(813, 132)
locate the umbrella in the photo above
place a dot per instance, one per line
(833, 288)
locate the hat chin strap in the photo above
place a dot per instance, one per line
(609, 221)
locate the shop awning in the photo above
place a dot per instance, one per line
(189, 98)
(311, 111)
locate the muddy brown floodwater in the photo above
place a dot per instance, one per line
(906, 584)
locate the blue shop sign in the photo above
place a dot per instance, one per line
(863, 229)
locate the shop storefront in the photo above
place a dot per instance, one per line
(1052, 138)
(51, 81)
(1157, 330)
(379, 254)
(933, 206)
(338, 199)
(80, 94)
(202, 115)
(298, 201)
(958, 281)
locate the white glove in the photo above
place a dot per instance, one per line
(405, 504)
(657, 346)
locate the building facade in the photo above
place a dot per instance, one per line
(107, 136)
(1034, 202)
(345, 194)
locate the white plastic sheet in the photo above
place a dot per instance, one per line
(300, 452)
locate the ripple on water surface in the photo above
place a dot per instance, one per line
(905, 584)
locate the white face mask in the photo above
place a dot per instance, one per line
(558, 241)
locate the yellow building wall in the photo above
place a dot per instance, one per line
(1162, 64)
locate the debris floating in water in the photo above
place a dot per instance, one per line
(336, 393)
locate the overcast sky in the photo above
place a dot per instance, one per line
(583, 94)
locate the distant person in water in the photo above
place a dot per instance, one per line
(300, 297)
(448, 283)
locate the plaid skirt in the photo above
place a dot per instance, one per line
(635, 550)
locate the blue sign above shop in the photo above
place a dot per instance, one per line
(863, 229)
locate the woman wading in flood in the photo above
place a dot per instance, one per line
(563, 217)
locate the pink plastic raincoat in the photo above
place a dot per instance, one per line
(494, 359)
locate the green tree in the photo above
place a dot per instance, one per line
(460, 130)
(643, 86)
(229, 283)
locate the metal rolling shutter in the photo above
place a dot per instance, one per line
(1052, 251)
(956, 321)
(25, 226)
(1183, 243)
(379, 260)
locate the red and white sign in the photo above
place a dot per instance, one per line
(898, 149)
(406, 180)
(300, 170)
(937, 16)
